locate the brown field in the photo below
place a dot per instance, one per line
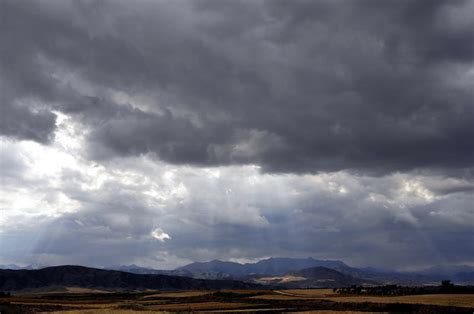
(75, 301)
(104, 311)
(112, 311)
(311, 292)
(177, 294)
(339, 312)
(200, 306)
(85, 290)
(275, 296)
(461, 300)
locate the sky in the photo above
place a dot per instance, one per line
(159, 133)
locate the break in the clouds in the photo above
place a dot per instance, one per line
(160, 132)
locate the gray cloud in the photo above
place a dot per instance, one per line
(106, 214)
(241, 129)
(20, 122)
(326, 86)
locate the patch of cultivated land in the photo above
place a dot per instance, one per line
(278, 297)
(297, 294)
(462, 300)
(339, 312)
(304, 301)
(279, 279)
(311, 292)
(104, 311)
(177, 294)
(85, 290)
(200, 306)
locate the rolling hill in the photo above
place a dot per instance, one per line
(280, 266)
(79, 276)
(216, 274)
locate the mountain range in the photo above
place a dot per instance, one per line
(85, 277)
(270, 266)
(271, 272)
(217, 269)
(277, 266)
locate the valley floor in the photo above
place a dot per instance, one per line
(80, 300)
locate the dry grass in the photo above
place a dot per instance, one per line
(58, 290)
(278, 297)
(235, 301)
(462, 300)
(84, 290)
(338, 312)
(201, 306)
(116, 311)
(16, 300)
(311, 292)
(296, 294)
(183, 294)
(239, 291)
(103, 311)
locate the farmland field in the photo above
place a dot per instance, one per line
(75, 301)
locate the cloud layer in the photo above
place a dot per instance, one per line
(301, 87)
(162, 132)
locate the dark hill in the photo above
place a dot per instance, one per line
(79, 276)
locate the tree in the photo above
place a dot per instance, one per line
(446, 284)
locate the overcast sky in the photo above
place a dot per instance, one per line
(164, 132)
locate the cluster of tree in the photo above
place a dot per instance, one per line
(4, 294)
(394, 290)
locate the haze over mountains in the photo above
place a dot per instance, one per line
(216, 274)
(217, 269)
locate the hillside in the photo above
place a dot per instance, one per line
(280, 266)
(272, 266)
(215, 268)
(314, 277)
(79, 276)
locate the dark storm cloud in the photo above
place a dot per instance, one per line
(21, 123)
(297, 86)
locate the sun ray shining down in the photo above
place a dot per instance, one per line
(161, 133)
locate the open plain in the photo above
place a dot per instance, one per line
(242, 301)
